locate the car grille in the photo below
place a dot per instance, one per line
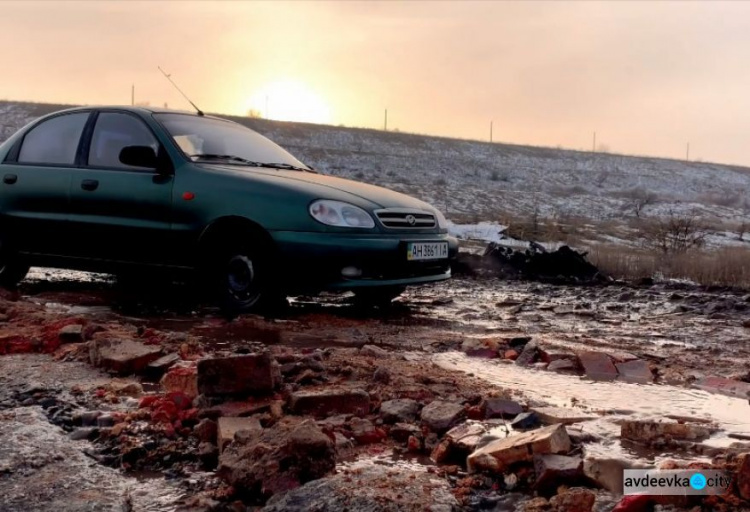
(406, 219)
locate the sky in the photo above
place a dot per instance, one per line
(647, 77)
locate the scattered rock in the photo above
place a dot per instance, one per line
(497, 455)
(636, 371)
(236, 375)
(649, 431)
(281, 458)
(364, 432)
(162, 364)
(439, 415)
(510, 354)
(552, 415)
(402, 431)
(525, 421)
(475, 347)
(227, 427)
(606, 473)
(122, 356)
(555, 470)
(564, 366)
(330, 401)
(206, 431)
(723, 386)
(374, 351)
(529, 355)
(403, 410)
(82, 433)
(182, 379)
(382, 375)
(597, 366)
(576, 499)
(501, 408)
(372, 489)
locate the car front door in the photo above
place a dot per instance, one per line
(35, 179)
(120, 212)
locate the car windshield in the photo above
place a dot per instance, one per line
(209, 139)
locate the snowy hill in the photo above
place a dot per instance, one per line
(487, 181)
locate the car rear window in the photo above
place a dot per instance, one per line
(54, 141)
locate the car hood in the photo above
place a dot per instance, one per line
(378, 195)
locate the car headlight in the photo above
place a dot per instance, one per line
(442, 222)
(340, 214)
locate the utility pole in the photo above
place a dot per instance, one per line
(593, 148)
(385, 124)
(491, 131)
(687, 153)
(267, 117)
(132, 95)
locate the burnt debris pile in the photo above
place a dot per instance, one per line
(561, 265)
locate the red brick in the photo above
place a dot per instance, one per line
(597, 366)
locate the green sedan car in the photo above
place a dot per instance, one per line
(126, 189)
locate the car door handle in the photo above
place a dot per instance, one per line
(10, 179)
(90, 184)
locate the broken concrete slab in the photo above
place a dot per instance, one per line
(163, 364)
(238, 375)
(122, 356)
(553, 471)
(597, 366)
(607, 472)
(497, 455)
(636, 371)
(565, 416)
(724, 386)
(325, 402)
(253, 465)
(529, 354)
(399, 410)
(501, 408)
(227, 427)
(440, 415)
(645, 431)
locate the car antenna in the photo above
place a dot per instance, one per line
(169, 77)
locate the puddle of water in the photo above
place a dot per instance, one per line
(614, 400)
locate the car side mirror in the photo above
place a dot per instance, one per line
(139, 156)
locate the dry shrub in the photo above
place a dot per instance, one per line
(729, 266)
(674, 233)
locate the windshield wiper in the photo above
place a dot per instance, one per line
(244, 161)
(231, 158)
(274, 165)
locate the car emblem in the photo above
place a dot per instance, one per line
(411, 220)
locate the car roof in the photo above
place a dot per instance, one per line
(130, 108)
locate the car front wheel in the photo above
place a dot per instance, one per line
(242, 279)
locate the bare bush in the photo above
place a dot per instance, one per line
(674, 233)
(729, 266)
(637, 199)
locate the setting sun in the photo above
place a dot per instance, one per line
(290, 101)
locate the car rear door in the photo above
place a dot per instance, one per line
(35, 180)
(120, 212)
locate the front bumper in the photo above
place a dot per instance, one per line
(316, 260)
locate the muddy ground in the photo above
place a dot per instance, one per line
(455, 341)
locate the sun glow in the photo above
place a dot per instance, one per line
(289, 101)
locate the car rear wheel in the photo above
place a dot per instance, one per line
(379, 297)
(12, 267)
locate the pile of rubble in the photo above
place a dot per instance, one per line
(277, 426)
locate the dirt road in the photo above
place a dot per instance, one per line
(455, 342)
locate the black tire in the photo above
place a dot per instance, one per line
(13, 268)
(242, 278)
(378, 297)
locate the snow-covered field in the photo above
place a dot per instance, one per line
(475, 181)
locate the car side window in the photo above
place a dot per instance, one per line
(54, 141)
(112, 133)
